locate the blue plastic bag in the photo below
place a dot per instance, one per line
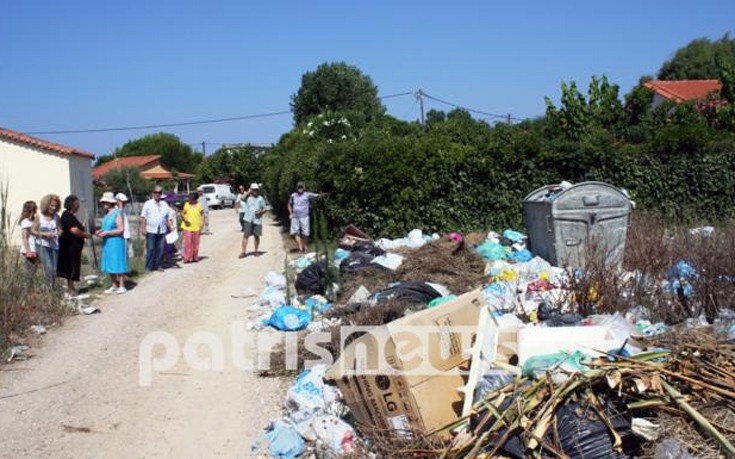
(682, 270)
(522, 256)
(288, 318)
(492, 251)
(514, 236)
(284, 442)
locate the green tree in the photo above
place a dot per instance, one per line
(699, 60)
(579, 115)
(127, 180)
(339, 88)
(175, 154)
(241, 165)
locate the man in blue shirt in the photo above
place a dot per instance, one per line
(298, 213)
(253, 207)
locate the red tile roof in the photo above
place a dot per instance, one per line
(683, 90)
(165, 175)
(24, 139)
(125, 161)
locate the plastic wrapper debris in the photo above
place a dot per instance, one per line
(412, 292)
(671, 449)
(361, 295)
(368, 247)
(341, 254)
(272, 297)
(704, 231)
(645, 429)
(493, 380)
(441, 300)
(38, 329)
(303, 262)
(413, 240)
(391, 261)
(315, 303)
(357, 261)
(275, 280)
(309, 395)
(646, 329)
(282, 441)
(330, 432)
(500, 297)
(289, 318)
(15, 353)
(514, 236)
(492, 251)
(565, 362)
(682, 270)
(521, 256)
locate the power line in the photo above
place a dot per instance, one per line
(472, 110)
(157, 126)
(185, 123)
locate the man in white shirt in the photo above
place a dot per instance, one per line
(155, 222)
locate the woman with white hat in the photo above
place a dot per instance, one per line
(121, 201)
(114, 259)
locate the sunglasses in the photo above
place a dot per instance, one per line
(156, 192)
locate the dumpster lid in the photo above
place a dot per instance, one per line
(552, 193)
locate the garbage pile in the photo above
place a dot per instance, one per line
(514, 362)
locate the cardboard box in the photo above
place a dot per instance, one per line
(406, 375)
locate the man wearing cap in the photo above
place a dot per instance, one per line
(298, 213)
(253, 207)
(155, 222)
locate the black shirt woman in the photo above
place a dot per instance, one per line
(71, 244)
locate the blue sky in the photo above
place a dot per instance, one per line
(97, 64)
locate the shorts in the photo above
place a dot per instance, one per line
(251, 229)
(300, 225)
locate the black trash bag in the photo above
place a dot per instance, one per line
(410, 292)
(553, 318)
(505, 242)
(358, 261)
(312, 280)
(368, 248)
(582, 434)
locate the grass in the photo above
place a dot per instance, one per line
(24, 301)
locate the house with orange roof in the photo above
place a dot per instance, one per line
(31, 168)
(150, 169)
(681, 90)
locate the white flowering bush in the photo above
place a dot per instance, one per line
(328, 126)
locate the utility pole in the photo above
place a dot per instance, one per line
(510, 119)
(204, 148)
(420, 96)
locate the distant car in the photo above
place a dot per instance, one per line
(172, 198)
(219, 195)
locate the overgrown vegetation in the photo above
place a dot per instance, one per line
(24, 301)
(457, 173)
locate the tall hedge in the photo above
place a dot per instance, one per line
(463, 174)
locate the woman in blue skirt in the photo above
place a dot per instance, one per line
(114, 253)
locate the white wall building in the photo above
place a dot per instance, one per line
(31, 168)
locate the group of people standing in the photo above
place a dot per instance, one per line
(57, 243)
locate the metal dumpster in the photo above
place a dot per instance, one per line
(565, 223)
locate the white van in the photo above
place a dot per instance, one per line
(218, 195)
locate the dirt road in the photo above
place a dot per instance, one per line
(80, 396)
